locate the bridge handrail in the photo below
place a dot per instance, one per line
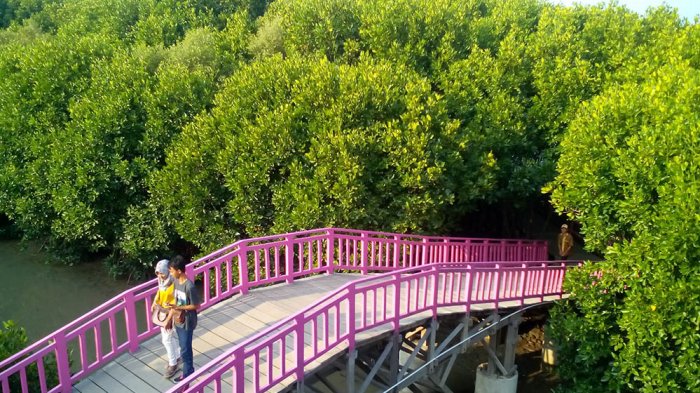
(257, 261)
(548, 276)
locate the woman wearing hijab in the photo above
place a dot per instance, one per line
(164, 297)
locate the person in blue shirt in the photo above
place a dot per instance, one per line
(186, 302)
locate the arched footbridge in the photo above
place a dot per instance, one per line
(326, 310)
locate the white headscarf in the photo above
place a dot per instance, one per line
(162, 267)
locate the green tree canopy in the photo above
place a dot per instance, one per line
(296, 144)
(629, 172)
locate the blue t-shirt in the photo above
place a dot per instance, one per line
(186, 294)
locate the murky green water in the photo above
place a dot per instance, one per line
(43, 297)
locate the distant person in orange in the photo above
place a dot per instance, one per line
(565, 242)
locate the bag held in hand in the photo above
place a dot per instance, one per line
(179, 316)
(159, 316)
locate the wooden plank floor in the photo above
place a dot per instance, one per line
(218, 329)
(231, 321)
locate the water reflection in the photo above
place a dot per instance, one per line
(42, 297)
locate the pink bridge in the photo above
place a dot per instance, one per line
(277, 307)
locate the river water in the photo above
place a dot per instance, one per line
(43, 297)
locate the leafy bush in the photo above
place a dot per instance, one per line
(628, 172)
(12, 340)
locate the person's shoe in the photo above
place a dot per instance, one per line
(170, 371)
(178, 380)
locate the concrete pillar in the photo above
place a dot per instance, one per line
(494, 383)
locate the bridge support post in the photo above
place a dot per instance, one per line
(350, 382)
(494, 383)
(467, 325)
(511, 343)
(431, 343)
(492, 349)
(395, 359)
(496, 376)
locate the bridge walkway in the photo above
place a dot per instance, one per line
(278, 306)
(219, 327)
(232, 321)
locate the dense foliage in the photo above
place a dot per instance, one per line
(131, 127)
(13, 339)
(629, 173)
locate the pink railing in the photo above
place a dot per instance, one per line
(122, 323)
(285, 350)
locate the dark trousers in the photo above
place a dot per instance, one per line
(184, 337)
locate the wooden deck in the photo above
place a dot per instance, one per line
(229, 322)
(218, 328)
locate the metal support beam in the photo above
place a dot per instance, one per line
(379, 362)
(410, 360)
(448, 370)
(494, 362)
(379, 380)
(377, 365)
(448, 339)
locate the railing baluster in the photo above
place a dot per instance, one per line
(23, 380)
(132, 329)
(256, 264)
(229, 276)
(435, 277)
(113, 332)
(288, 259)
(42, 374)
(217, 282)
(207, 286)
(330, 244)
(299, 321)
(82, 347)
(497, 275)
(256, 372)
(542, 284)
(62, 362)
(310, 257)
(300, 255)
